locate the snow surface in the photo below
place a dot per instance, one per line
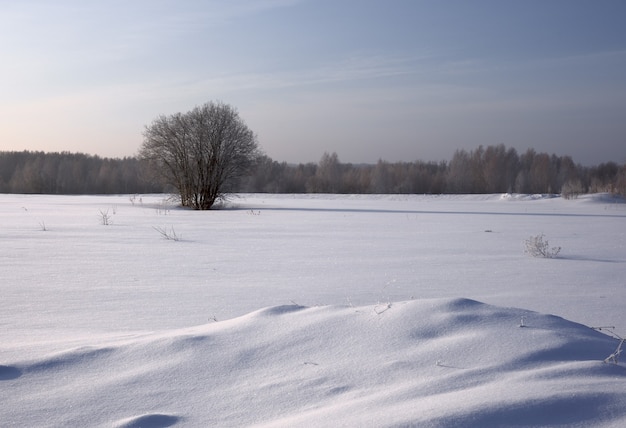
(311, 310)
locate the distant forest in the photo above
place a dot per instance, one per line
(491, 169)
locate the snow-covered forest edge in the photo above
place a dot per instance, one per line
(311, 310)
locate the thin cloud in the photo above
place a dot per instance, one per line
(352, 69)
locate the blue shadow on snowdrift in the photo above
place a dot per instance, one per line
(155, 420)
(9, 373)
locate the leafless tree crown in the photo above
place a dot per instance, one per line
(201, 153)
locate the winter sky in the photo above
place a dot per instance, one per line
(390, 79)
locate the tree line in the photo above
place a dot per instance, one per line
(72, 173)
(491, 169)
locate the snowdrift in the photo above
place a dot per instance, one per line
(427, 363)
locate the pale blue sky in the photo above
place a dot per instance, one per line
(390, 79)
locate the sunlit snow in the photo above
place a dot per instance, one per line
(311, 310)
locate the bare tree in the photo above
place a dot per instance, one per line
(328, 174)
(201, 153)
(459, 177)
(541, 173)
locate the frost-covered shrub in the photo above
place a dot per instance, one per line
(537, 246)
(572, 188)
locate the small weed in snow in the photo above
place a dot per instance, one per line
(170, 234)
(537, 246)
(105, 217)
(162, 209)
(133, 199)
(614, 357)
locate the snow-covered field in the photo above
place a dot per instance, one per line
(311, 310)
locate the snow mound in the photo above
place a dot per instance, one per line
(526, 197)
(433, 363)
